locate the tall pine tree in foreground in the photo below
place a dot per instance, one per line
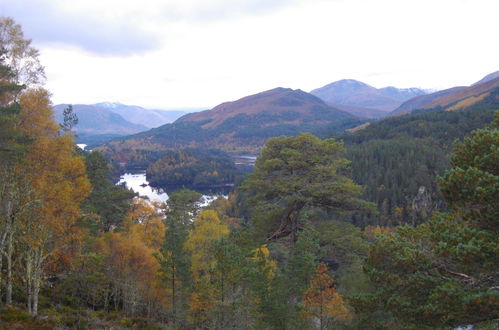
(296, 174)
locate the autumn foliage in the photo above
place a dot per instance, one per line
(321, 300)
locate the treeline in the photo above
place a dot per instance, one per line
(242, 134)
(397, 160)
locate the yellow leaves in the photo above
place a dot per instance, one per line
(58, 177)
(208, 228)
(144, 220)
(130, 263)
(267, 266)
(37, 114)
(468, 102)
(373, 232)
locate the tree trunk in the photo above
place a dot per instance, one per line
(10, 250)
(174, 308)
(29, 280)
(36, 279)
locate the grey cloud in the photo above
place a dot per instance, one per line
(46, 24)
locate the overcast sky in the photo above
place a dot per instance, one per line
(174, 54)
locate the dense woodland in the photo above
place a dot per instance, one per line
(192, 167)
(398, 160)
(297, 245)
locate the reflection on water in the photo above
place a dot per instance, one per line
(82, 146)
(139, 184)
(245, 163)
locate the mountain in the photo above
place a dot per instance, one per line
(360, 112)
(488, 77)
(94, 120)
(241, 126)
(149, 118)
(446, 98)
(280, 105)
(423, 100)
(473, 91)
(353, 93)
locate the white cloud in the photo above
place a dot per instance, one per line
(199, 53)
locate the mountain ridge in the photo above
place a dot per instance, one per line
(240, 126)
(356, 94)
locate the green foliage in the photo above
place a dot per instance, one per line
(240, 134)
(302, 261)
(294, 174)
(107, 200)
(12, 140)
(471, 187)
(395, 157)
(69, 119)
(444, 272)
(173, 258)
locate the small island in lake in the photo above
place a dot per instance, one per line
(192, 167)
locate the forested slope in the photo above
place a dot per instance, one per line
(398, 159)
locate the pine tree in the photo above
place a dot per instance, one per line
(173, 257)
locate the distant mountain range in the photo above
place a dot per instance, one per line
(149, 118)
(364, 100)
(239, 127)
(104, 121)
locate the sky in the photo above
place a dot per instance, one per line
(196, 54)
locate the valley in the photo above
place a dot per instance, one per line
(349, 207)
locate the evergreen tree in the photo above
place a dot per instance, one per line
(173, 257)
(108, 201)
(294, 174)
(444, 272)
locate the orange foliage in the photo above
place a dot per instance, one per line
(321, 299)
(132, 268)
(145, 220)
(58, 177)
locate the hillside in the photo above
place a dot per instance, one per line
(472, 91)
(398, 159)
(287, 106)
(488, 77)
(353, 93)
(447, 97)
(423, 100)
(241, 126)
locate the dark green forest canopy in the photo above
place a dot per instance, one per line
(397, 160)
(444, 273)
